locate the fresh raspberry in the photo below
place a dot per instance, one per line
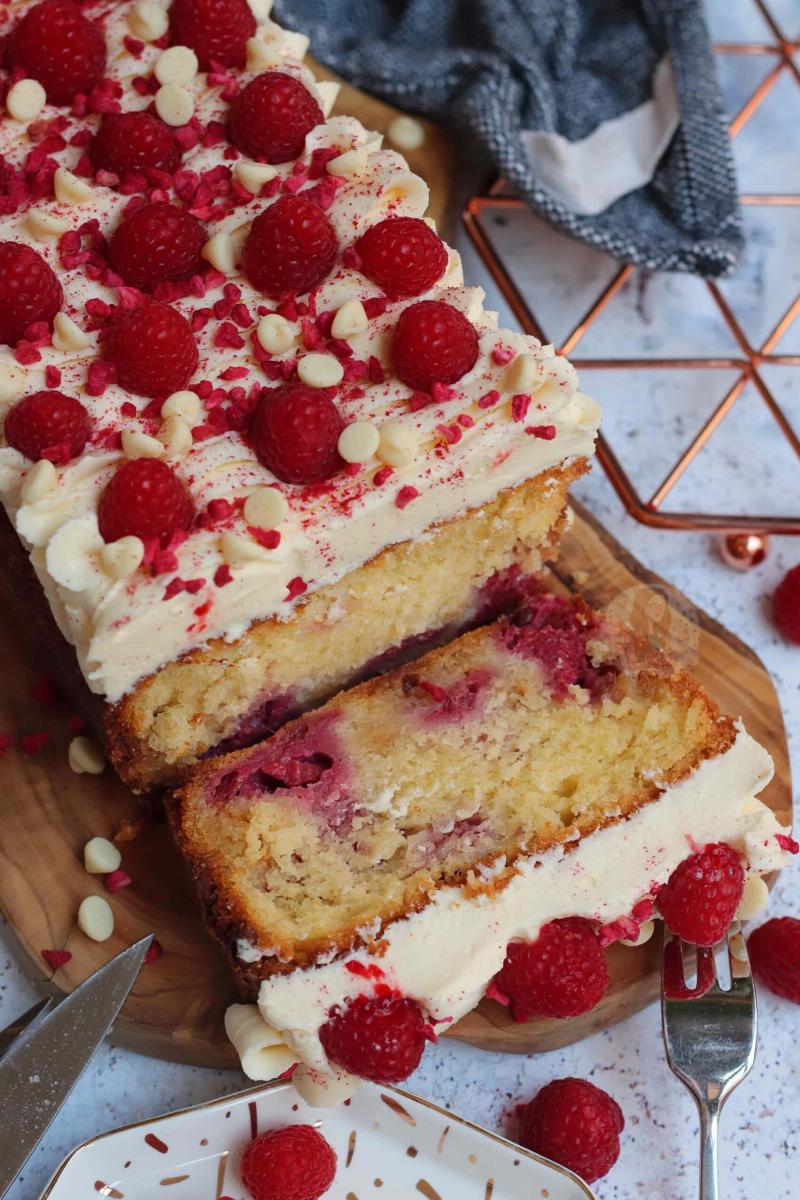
(152, 348)
(379, 1038)
(294, 431)
(561, 974)
(55, 44)
(701, 895)
(29, 291)
(575, 1124)
(290, 248)
(775, 955)
(270, 118)
(48, 425)
(786, 605)
(145, 499)
(433, 343)
(217, 30)
(131, 142)
(157, 243)
(402, 255)
(295, 1163)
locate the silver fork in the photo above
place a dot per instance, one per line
(710, 1039)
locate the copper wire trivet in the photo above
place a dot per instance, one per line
(748, 366)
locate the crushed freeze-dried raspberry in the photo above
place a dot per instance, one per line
(56, 958)
(115, 881)
(33, 743)
(787, 843)
(295, 588)
(406, 495)
(154, 951)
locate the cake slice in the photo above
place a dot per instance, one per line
(395, 841)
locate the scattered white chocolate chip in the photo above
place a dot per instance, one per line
(755, 898)
(86, 759)
(69, 189)
(275, 333)
(42, 224)
(320, 370)
(524, 374)
(140, 445)
(184, 404)
(39, 482)
(121, 558)
(96, 919)
(176, 436)
(147, 20)
(178, 65)
(350, 319)
(406, 133)
(398, 444)
(262, 1052)
(261, 54)
(222, 252)
(67, 335)
(174, 105)
(323, 1089)
(646, 930)
(265, 508)
(13, 379)
(352, 162)
(25, 100)
(237, 550)
(358, 442)
(101, 857)
(252, 175)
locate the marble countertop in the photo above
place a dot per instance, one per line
(761, 1125)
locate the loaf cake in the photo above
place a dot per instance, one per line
(394, 842)
(259, 440)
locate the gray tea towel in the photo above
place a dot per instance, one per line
(604, 114)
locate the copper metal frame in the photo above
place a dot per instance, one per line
(649, 511)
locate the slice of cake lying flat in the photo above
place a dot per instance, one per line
(259, 438)
(395, 841)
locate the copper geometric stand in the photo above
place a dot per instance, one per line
(747, 365)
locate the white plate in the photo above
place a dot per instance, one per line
(390, 1145)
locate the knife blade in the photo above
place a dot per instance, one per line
(41, 1068)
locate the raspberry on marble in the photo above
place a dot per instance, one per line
(575, 1124)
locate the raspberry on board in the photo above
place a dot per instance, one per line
(270, 118)
(561, 974)
(133, 142)
(786, 605)
(294, 431)
(29, 291)
(152, 348)
(55, 44)
(48, 425)
(775, 956)
(157, 243)
(379, 1038)
(217, 30)
(433, 343)
(699, 899)
(145, 499)
(575, 1124)
(402, 255)
(294, 1163)
(290, 248)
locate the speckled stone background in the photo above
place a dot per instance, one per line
(647, 417)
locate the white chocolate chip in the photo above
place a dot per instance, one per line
(185, 405)
(358, 442)
(237, 550)
(174, 105)
(176, 436)
(69, 189)
(261, 54)
(96, 919)
(265, 508)
(646, 930)
(275, 334)
(86, 759)
(755, 898)
(252, 176)
(147, 21)
(177, 65)
(121, 558)
(350, 319)
(42, 224)
(100, 856)
(141, 445)
(352, 162)
(398, 445)
(222, 252)
(406, 133)
(67, 335)
(323, 1089)
(25, 100)
(39, 482)
(13, 380)
(320, 370)
(524, 374)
